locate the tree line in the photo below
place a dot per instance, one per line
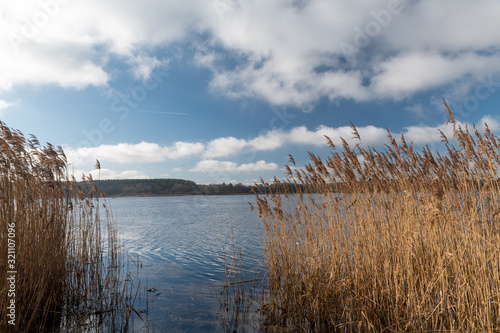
(168, 186)
(145, 187)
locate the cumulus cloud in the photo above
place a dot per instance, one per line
(143, 66)
(3, 105)
(227, 146)
(301, 135)
(268, 141)
(257, 166)
(143, 152)
(224, 147)
(409, 73)
(146, 152)
(228, 166)
(446, 26)
(287, 52)
(70, 43)
(184, 149)
(42, 45)
(428, 134)
(293, 51)
(370, 135)
(493, 123)
(111, 174)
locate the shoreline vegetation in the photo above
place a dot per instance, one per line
(61, 263)
(410, 243)
(179, 187)
(166, 187)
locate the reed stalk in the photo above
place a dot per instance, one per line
(386, 241)
(66, 256)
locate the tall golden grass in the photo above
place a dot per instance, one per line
(386, 241)
(67, 255)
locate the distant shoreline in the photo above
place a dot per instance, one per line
(165, 187)
(170, 195)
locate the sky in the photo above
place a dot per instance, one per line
(222, 91)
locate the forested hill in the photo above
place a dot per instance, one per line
(146, 187)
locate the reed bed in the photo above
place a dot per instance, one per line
(386, 241)
(67, 259)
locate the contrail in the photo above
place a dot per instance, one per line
(130, 109)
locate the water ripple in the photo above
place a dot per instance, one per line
(184, 243)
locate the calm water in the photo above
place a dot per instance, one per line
(182, 243)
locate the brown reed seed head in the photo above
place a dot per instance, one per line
(366, 246)
(61, 256)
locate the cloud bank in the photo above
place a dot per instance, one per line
(283, 52)
(228, 166)
(145, 152)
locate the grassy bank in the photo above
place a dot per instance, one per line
(60, 258)
(411, 244)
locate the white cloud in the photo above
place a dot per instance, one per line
(184, 149)
(369, 135)
(228, 166)
(424, 134)
(150, 152)
(293, 55)
(288, 52)
(70, 43)
(227, 146)
(146, 152)
(48, 64)
(110, 174)
(214, 166)
(41, 45)
(257, 166)
(408, 73)
(250, 182)
(276, 139)
(493, 123)
(224, 147)
(143, 66)
(428, 134)
(3, 106)
(143, 152)
(268, 141)
(446, 26)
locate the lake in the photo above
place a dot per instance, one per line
(182, 243)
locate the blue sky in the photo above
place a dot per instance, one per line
(223, 90)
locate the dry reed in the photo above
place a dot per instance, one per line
(241, 293)
(67, 256)
(386, 241)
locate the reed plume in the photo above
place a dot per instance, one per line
(390, 240)
(66, 256)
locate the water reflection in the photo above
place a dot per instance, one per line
(182, 243)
